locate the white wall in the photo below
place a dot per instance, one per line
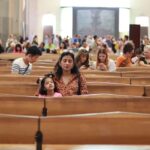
(96, 3)
(36, 10)
(139, 8)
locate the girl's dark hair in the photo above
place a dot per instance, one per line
(83, 52)
(43, 90)
(58, 69)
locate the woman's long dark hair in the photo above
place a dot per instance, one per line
(58, 69)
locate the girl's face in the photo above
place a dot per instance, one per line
(83, 58)
(67, 63)
(102, 57)
(49, 84)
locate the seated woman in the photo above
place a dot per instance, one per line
(104, 63)
(68, 80)
(82, 59)
(47, 87)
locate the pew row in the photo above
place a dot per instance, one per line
(99, 128)
(30, 89)
(91, 78)
(45, 56)
(139, 73)
(27, 105)
(136, 68)
(107, 128)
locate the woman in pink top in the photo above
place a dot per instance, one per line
(47, 87)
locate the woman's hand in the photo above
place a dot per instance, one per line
(102, 67)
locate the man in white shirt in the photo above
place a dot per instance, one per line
(24, 65)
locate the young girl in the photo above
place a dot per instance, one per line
(47, 87)
(103, 62)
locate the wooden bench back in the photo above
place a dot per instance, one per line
(93, 88)
(100, 128)
(137, 68)
(25, 105)
(16, 129)
(109, 128)
(122, 89)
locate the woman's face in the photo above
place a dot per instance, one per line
(49, 84)
(102, 57)
(83, 58)
(67, 63)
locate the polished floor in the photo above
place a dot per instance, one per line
(75, 147)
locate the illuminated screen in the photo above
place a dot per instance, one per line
(96, 21)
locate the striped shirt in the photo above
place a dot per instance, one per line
(18, 66)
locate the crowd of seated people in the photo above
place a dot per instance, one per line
(124, 50)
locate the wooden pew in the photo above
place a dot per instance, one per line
(147, 90)
(122, 89)
(93, 88)
(86, 73)
(15, 129)
(100, 128)
(135, 74)
(136, 68)
(12, 56)
(21, 105)
(110, 79)
(140, 80)
(18, 78)
(107, 128)
(27, 89)
(101, 73)
(25, 105)
(91, 78)
(96, 103)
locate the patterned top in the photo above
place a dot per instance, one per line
(72, 87)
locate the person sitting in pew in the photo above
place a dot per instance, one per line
(104, 63)
(68, 79)
(125, 59)
(147, 54)
(142, 58)
(47, 87)
(24, 65)
(82, 59)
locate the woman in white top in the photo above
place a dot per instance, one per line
(104, 63)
